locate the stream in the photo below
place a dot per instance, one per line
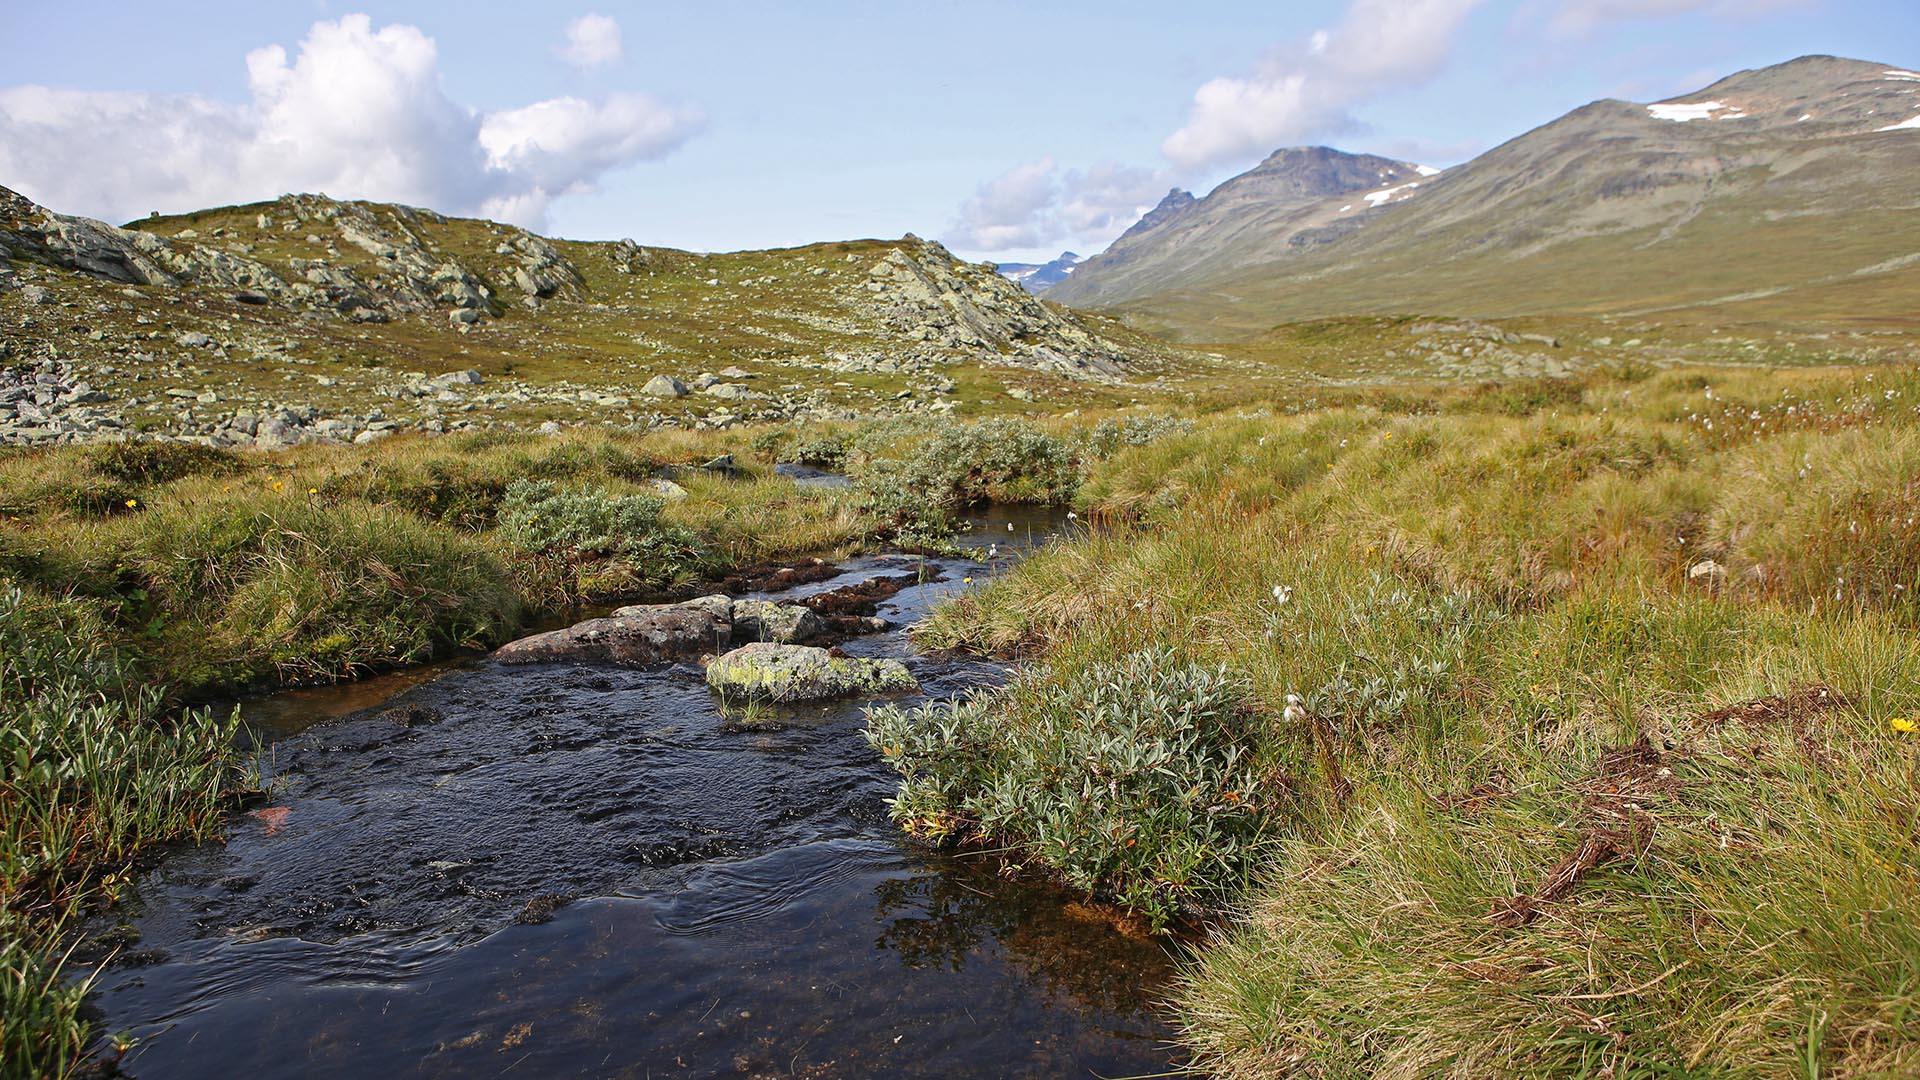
(581, 870)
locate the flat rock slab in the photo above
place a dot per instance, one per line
(633, 637)
(662, 633)
(783, 674)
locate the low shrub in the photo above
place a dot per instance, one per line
(542, 517)
(1134, 777)
(912, 499)
(1109, 436)
(142, 462)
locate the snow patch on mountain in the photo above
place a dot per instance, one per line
(1392, 194)
(1682, 112)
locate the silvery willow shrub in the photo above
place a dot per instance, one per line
(540, 516)
(1111, 435)
(1133, 777)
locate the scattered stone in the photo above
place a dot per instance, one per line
(1708, 573)
(732, 391)
(764, 620)
(664, 386)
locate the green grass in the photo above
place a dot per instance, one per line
(92, 772)
(1486, 597)
(330, 562)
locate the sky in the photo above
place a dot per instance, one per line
(1008, 131)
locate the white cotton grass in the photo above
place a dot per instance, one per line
(1282, 593)
(1295, 713)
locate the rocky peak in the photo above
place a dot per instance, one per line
(1314, 172)
(1172, 206)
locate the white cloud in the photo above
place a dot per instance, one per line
(592, 41)
(1308, 89)
(1040, 205)
(357, 113)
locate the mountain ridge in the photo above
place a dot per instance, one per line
(1752, 164)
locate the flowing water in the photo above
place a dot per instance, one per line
(565, 870)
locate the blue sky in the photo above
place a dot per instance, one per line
(1008, 130)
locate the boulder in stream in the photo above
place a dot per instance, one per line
(764, 620)
(662, 633)
(783, 674)
(633, 636)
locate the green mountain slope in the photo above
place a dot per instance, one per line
(1788, 193)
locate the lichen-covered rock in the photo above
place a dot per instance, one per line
(764, 620)
(783, 674)
(644, 634)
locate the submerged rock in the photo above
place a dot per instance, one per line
(783, 674)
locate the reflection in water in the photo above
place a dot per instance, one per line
(584, 871)
(1082, 955)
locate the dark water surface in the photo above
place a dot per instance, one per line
(586, 871)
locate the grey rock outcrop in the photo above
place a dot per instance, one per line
(922, 292)
(29, 231)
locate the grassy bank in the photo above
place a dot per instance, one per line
(1601, 759)
(221, 570)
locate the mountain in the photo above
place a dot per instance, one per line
(1245, 221)
(1037, 278)
(1787, 192)
(310, 317)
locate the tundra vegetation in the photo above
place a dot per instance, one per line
(1601, 754)
(1600, 759)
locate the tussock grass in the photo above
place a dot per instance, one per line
(220, 569)
(1605, 761)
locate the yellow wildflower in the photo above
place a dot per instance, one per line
(278, 486)
(1902, 725)
(132, 503)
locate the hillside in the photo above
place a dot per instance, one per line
(1783, 194)
(308, 317)
(1246, 221)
